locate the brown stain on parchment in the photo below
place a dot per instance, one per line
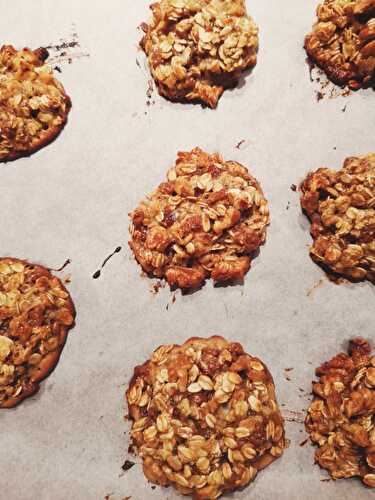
(66, 50)
(326, 89)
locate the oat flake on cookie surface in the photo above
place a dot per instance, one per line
(342, 41)
(33, 104)
(341, 207)
(341, 418)
(207, 220)
(204, 417)
(36, 313)
(198, 48)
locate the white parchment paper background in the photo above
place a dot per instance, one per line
(71, 200)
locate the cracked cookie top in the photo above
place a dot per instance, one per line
(36, 313)
(341, 418)
(197, 48)
(207, 219)
(33, 104)
(340, 205)
(205, 417)
(342, 41)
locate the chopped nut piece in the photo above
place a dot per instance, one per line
(186, 441)
(36, 313)
(341, 418)
(342, 41)
(182, 247)
(33, 104)
(5, 347)
(341, 207)
(197, 48)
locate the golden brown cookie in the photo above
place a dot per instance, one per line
(198, 48)
(342, 41)
(207, 219)
(205, 417)
(341, 418)
(33, 104)
(340, 205)
(36, 313)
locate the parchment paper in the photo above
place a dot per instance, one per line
(71, 200)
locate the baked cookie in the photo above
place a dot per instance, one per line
(341, 418)
(33, 104)
(36, 313)
(208, 219)
(342, 41)
(340, 205)
(198, 48)
(205, 417)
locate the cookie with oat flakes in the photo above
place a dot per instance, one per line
(207, 220)
(342, 42)
(198, 48)
(341, 207)
(341, 418)
(204, 417)
(36, 313)
(33, 104)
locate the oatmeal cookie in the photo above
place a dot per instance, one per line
(198, 48)
(208, 219)
(204, 417)
(340, 205)
(33, 104)
(342, 42)
(341, 418)
(36, 313)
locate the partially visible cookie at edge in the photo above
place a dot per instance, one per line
(342, 42)
(33, 104)
(204, 417)
(198, 48)
(341, 207)
(36, 313)
(207, 220)
(341, 418)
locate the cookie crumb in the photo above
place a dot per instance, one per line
(128, 464)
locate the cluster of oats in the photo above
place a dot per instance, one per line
(208, 219)
(342, 41)
(341, 418)
(341, 207)
(197, 48)
(205, 417)
(33, 105)
(35, 315)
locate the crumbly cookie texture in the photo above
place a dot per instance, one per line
(33, 104)
(208, 219)
(342, 41)
(205, 417)
(340, 205)
(341, 418)
(36, 313)
(197, 48)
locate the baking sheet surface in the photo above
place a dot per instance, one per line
(71, 199)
